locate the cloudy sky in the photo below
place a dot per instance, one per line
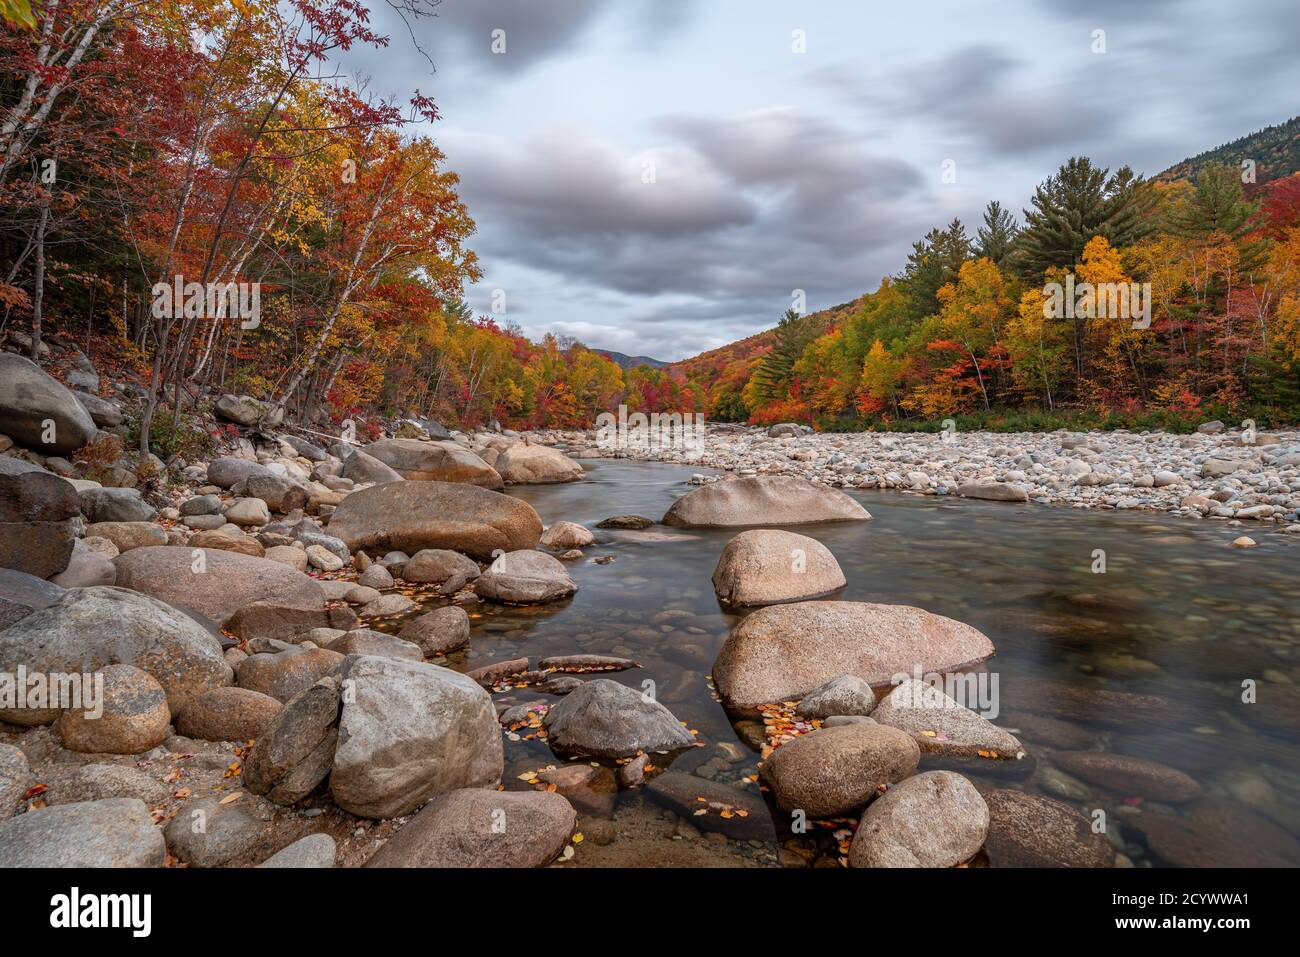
(658, 176)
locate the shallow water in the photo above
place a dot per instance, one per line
(1177, 613)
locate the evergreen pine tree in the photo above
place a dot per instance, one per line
(934, 262)
(772, 377)
(995, 238)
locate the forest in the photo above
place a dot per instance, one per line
(205, 144)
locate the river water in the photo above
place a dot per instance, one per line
(1176, 613)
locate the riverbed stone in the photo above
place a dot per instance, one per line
(833, 771)
(529, 464)
(463, 829)
(227, 714)
(115, 505)
(565, 535)
(283, 675)
(845, 695)
(129, 536)
(1129, 776)
(605, 719)
(37, 510)
(312, 851)
(409, 731)
(422, 461)
(785, 651)
(1029, 830)
(131, 718)
(70, 636)
(935, 819)
(449, 570)
(767, 566)
(295, 750)
(207, 833)
(117, 832)
(438, 632)
(525, 577)
(943, 727)
(15, 778)
(413, 515)
(763, 499)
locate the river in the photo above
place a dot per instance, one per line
(1175, 613)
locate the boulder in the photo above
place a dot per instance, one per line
(438, 632)
(294, 752)
(36, 528)
(1129, 776)
(411, 516)
(360, 467)
(1029, 830)
(605, 719)
(72, 784)
(766, 566)
(364, 641)
(227, 714)
(312, 851)
(21, 594)
(86, 567)
(993, 492)
(943, 727)
(38, 412)
(246, 411)
(765, 500)
(473, 827)
(377, 577)
(833, 771)
(229, 471)
(525, 577)
(279, 493)
(221, 585)
(128, 536)
(422, 461)
(845, 695)
(131, 718)
(207, 833)
(118, 832)
(409, 731)
(631, 522)
(103, 413)
(451, 571)
(284, 675)
(936, 819)
(537, 464)
(115, 505)
(785, 651)
(225, 542)
(72, 635)
(15, 778)
(565, 535)
(248, 511)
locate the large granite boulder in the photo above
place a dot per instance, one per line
(409, 731)
(36, 529)
(362, 467)
(131, 718)
(785, 651)
(763, 500)
(410, 516)
(115, 505)
(1029, 830)
(526, 464)
(247, 411)
(91, 628)
(38, 411)
(422, 461)
(220, 585)
(767, 566)
(474, 827)
(228, 471)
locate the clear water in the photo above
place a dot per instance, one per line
(1177, 613)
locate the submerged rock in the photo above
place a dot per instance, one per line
(525, 577)
(1028, 830)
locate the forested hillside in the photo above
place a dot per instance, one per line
(1275, 151)
(961, 330)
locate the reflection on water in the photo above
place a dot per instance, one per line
(1176, 614)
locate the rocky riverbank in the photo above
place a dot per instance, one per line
(1216, 473)
(274, 636)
